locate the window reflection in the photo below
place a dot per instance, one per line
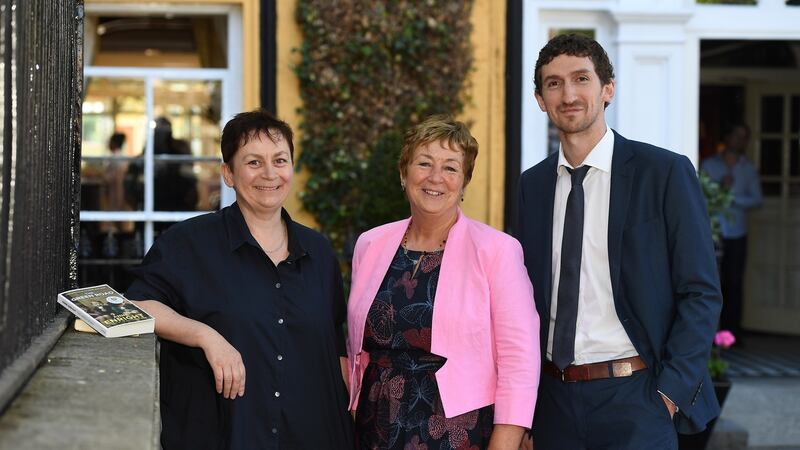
(186, 145)
(150, 144)
(114, 127)
(185, 136)
(192, 108)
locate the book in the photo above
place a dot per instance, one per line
(83, 327)
(107, 311)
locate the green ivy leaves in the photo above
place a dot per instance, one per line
(368, 71)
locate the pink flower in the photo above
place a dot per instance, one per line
(724, 339)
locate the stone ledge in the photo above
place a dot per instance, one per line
(90, 392)
(728, 435)
(14, 377)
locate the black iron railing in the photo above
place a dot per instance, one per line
(40, 116)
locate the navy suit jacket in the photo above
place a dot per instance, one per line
(663, 269)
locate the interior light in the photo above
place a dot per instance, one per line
(179, 87)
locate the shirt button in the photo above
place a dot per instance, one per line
(277, 285)
(280, 357)
(277, 394)
(280, 321)
(274, 431)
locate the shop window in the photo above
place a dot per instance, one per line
(155, 96)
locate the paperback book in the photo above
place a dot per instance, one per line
(107, 311)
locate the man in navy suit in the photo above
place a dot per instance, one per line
(618, 247)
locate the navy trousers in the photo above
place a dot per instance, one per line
(614, 413)
(732, 266)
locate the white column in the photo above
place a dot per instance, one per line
(533, 120)
(652, 78)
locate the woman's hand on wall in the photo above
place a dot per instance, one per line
(226, 362)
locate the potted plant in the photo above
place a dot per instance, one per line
(723, 340)
(718, 199)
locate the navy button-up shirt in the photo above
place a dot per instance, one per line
(285, 321)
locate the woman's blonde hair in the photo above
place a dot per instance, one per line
(440, 127)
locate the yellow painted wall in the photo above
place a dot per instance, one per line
(288, 94)
(484, 199)
(485, 194)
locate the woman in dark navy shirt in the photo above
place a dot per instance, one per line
(249, 308)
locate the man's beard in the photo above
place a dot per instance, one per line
(577, 125)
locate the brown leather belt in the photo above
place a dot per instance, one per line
(596, 371)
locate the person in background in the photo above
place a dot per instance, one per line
(618, 246)
(443, 339)
(114, 198)
(732, 170)
(249, 309)
(174, 181)
(115, 174)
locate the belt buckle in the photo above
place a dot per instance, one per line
(624, 369)
(563, 376)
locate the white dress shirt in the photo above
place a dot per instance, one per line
(599, 334)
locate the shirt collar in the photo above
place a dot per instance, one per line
(599, 157)
(239, 234)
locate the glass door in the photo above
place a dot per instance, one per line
(772, 281)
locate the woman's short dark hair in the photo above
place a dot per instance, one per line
(574, 45)
(246, 126)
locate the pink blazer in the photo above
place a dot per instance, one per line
(484, 319)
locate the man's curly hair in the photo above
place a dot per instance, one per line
(574, 45)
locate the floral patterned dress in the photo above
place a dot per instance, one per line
(399, 405)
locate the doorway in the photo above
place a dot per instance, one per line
(758, 82)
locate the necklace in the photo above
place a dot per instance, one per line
(418, 262)
(283, 240)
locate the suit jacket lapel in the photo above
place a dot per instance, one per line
(622, 171)
(548, 190)
(458, 256)
(375, 261)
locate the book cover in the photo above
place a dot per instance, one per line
(107, 311)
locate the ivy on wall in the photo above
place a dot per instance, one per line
(369, 70)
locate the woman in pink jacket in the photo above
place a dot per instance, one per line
(443, 344)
